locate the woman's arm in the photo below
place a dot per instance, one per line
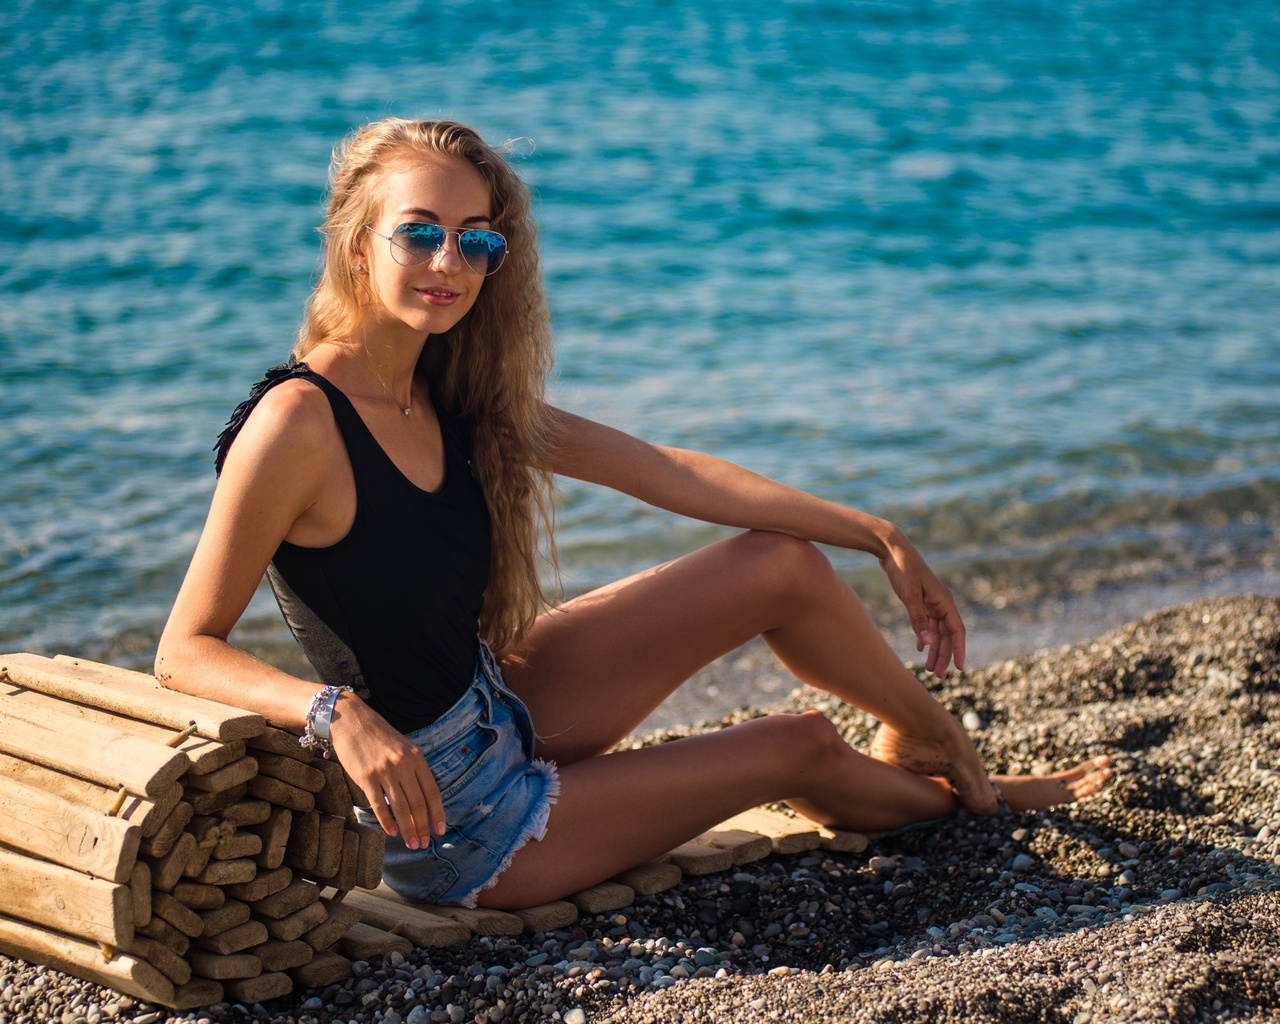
(273, 488)
(711, 489)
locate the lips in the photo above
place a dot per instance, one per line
(438, 296)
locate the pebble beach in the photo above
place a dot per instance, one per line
(1157, 899)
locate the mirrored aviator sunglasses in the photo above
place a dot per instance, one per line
(415, 244)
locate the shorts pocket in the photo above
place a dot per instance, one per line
(419, 875)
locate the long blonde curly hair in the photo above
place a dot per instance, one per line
(489, 370)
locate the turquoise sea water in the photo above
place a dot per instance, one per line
(1004, 272)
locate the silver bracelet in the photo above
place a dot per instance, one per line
(315, 733)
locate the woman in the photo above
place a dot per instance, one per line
(393, 482)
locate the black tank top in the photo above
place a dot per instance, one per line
(393, 608)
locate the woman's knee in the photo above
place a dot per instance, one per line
(787, 565)
(805, 741)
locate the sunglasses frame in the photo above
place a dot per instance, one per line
(397, 249)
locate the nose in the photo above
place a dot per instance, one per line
(449, 256)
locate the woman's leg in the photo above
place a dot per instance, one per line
(594, 668)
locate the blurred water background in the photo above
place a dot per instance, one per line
(1005, 273)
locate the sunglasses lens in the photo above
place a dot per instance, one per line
(484, 251)
(416, 243)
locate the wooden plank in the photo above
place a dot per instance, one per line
(49, 894)
(329, 845)
(209, 830)
(478, 921)
(373, 844)
(197, 862)
(281, 793)
(48, 734)
(332, 928)
(239, 844)
(277, 955)
(162, 931)
(603, 897)
(166, 871)
(181, 917)
(250, 811)
(548, 916)
(697, 859)
(162, 958)
(163, 839)
(324, 969)
(226, 967)
(301, 850)
(364, 941)
(841, 841)
(231, 914)
(199, 896)
(652, 877)
(267, 985)
(297, 924)
(140, 890)
(227, 872)
(145, 812)
(335, 796)
(237, 773)
(420, 927)
(274, 836)
(136, 694)
(291, 771)
(234, 940)
(263, 884)
(348, 871)
(67, 832)
(788, 835)
(279, 741)
(196, 993)
(295, 896)
(123, 972)
(210, 803)
(744, 847)
(209, 755)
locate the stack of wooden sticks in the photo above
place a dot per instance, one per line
(169, 847)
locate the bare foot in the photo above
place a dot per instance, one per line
(953, 758)
(1038, 792)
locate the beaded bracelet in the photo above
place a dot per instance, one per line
(315, 733)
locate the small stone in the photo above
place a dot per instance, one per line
(575, 1016)
(1023, 862)
(972, 721)
(419, 1015)
(1127, 850)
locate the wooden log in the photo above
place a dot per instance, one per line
(166, 871)
(124, 972)
(67, 832)
(162, 931)
(234, 940)
(788, 835)
(239, 844)
(196, 993)
(478, 921)
(279, 741)
(140, 890)
(224, 967)
(209, 755)
(181, 917)
(297, 924)
(274, 836)
(350, 869)
(57, 897)
(282, 956)
(237, 773)
(199, 896)
(744, 847)
(227, 872)
(548, 916)
(335, 796)
(263, 884)
(332, 928)
(291, 771)
(281, 793)
(162, 958)
(419, 926)
(364, 941)
(231, 914)
(373, 843)
(295, 896)
(603, 897)
(323, 970)
(51, 735)
(329, 845)
(167, 834)
(652, 877)
(304, 840)
(267, 985)
(210, 803)
(250, 811)
(145, 812)
(135, 694)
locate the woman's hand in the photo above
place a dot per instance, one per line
(934, 616)
(390, 770)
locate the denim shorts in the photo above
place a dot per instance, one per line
(496, 795)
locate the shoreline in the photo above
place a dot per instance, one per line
(1157, 899)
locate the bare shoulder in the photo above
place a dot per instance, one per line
(292, 421)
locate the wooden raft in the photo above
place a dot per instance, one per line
(183, 852)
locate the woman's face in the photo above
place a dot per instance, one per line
(433, 296)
